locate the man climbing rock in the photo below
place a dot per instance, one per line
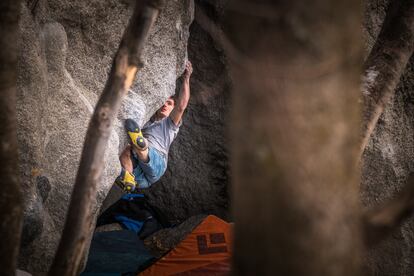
(144, 161)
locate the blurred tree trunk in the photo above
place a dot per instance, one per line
(11, 209)
(295, 137)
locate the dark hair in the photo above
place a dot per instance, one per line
(173, 97)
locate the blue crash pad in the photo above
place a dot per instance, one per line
(115, 253)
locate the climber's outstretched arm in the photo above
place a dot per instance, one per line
(182, 101)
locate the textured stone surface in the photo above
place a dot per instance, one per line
(66, 53)
(197, 177)
(388, 160)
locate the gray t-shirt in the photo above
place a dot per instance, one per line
(160, 134)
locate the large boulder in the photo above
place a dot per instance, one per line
(197, 176)
(66, 53)
(388, 160)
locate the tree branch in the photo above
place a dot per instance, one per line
(383, 220)
(386, 63)
(218, 36)
(125, 65)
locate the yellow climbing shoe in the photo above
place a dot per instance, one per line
(135, 135)
(126, 181)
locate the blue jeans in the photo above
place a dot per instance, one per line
(148, 173)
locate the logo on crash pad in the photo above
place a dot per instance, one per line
(215, 239)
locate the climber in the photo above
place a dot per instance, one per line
(144, 161)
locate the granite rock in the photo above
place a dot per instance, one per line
(388, 160)
(197, 177)
(66, 50)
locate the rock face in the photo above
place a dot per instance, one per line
(388, 160)
(66, 53)
(196, 180)
(197, 176)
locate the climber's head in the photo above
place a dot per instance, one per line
(166, 108)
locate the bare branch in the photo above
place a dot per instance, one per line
(11, 205)
(383, 220)
(318, 70)
(386, 63)
(218, 36)
(125, 65)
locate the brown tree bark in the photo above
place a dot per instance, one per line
(125, 65)
(295, 138)
(386, 63)
(11, 205)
